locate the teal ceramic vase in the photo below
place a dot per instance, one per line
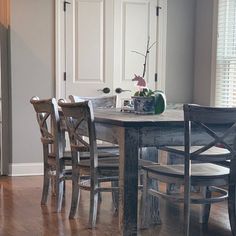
(160, 102)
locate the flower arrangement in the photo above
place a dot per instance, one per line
(141, 83)
(147, 101)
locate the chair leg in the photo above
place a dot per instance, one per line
(46, 183)
(75, 196)
(232, 208)
(187, 186)
(205, 208)
(115, 195)
(171, 159)
(64, 190)
(154, 205)
(145, 203)
(59, 194)
(53, 185)
(99, 194)
(93, 208)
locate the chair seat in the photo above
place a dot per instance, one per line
(201, 170)
(101, 154)
(114, 150)
(103, 163)
(107, 169)
(107, 146)
(142, 163)
(214, 153)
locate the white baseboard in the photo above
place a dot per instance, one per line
(25, 169)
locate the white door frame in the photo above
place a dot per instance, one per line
(59, 48)
(161, 44)
(59, 51)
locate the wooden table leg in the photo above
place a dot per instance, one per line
(128, 200)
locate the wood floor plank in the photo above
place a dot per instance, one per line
(22, 214)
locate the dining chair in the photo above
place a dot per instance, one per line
(55, 158)
(207, 174)
(146, 154)
(102, 102)
(87, 174)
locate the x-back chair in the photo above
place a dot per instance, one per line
(87, 174)
(54, 156)
(210, 177)
(103, 102)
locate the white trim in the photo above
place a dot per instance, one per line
(58, 48)
(161, 40)
(25, 169)
(213, 51)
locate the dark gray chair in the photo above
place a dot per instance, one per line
(54, 156)
(104, 102)
(208, 176)
(87, 174)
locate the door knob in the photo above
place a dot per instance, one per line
(120, 90)
(105, 90)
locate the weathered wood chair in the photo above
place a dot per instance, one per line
(103, 102)
(87, 174)
(208, 176)
(54, 156)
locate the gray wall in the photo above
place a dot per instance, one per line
(203, 52)
(180, 50)
(32, 54)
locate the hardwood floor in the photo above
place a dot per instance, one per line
(21, 214)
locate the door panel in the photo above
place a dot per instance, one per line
(89, 47)
(135, 21)
(89, 35)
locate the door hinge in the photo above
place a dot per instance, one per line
(155, 77)
(157, 10)
(65, 4)
(64, 76)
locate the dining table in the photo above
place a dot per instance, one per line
(134, 131)
(131, 132)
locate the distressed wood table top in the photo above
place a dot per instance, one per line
(116, 117)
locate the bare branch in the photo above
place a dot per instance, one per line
(139, 53)
(145, 55)
(152, 45)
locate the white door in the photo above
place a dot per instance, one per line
(96, 40)
(134, 22)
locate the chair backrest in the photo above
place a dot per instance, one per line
(98, 102)
(79, 118)
(49, 123)
(206, 118)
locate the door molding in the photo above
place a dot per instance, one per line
(161, 40)
(59, 39)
